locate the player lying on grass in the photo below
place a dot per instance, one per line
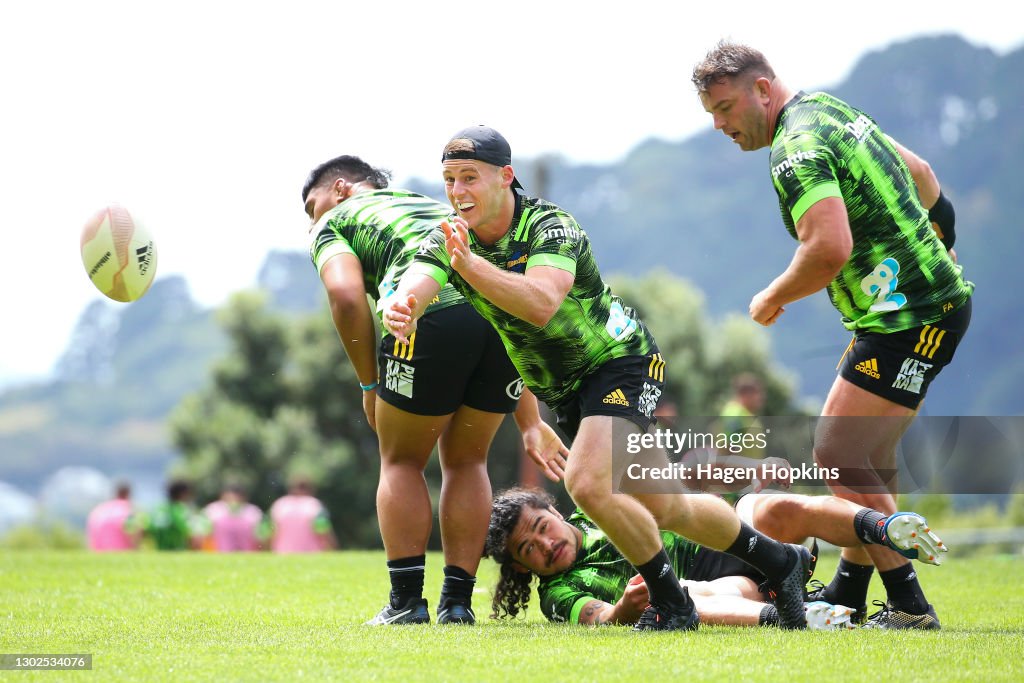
(585, 580)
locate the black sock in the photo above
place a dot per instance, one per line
(458, 585)
(766, 555)
(849, 586)
(662, 583)
(869, 525)
(406, 579)
(903, 590)
(769, 616)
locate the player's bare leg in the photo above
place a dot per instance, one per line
(855, 423)
(588, 479)
(627, 523)
(793, 518)
(630, 525)
(404, 512)
(736, 601)
(403, 500)
(465, 506)
(731, 610)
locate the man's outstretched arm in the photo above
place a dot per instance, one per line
(416, 289)
(533, 296)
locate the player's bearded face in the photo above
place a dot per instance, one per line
(543, 542)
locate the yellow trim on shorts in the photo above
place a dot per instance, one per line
(404, 351)
(930, 341)
(848, 347)
(657, 367)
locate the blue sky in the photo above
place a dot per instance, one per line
(203, 118)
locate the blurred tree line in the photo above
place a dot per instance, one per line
(283, 401)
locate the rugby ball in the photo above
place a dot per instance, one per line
(119, 254)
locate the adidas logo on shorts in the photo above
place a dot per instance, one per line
(869, 368)
(617, 397)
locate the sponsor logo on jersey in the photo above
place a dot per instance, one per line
(588, 576)
(428, 245)
(929, 342)
(517, 263)
(399, 378)
(881, 283)
(648, 399)
(619, 326)
(860, 128)
(617, 398)
(515, 389)
(792, 161)
(911, 377)
(565, 233)
(869, 368)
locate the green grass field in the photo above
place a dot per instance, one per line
(180, 617)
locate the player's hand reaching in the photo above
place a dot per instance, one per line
(633, 602)
(398, 317)
(456, 241)
(546, 449)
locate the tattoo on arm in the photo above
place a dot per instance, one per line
(593, 613)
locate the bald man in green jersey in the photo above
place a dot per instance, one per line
(876, 230)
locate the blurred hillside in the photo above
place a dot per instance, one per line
(707, 212)
(698, 208)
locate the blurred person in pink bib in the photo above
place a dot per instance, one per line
(110, 526)
(300, 522)
(235, 524)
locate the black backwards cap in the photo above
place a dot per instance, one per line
(489, 146)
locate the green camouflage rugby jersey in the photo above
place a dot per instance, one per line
(590, 328)
(899, 275)
(383, 229)
(600, 572)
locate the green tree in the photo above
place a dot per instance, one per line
(279, 404)
(701, 356)
(284, 400)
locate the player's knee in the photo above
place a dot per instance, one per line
(586, 490)
(466, 461)
(404, 459)
(829, 454)
(771, 515)
(667, 510)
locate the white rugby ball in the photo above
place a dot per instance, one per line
(119, 254)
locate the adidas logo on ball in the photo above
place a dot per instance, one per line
(119, 254)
